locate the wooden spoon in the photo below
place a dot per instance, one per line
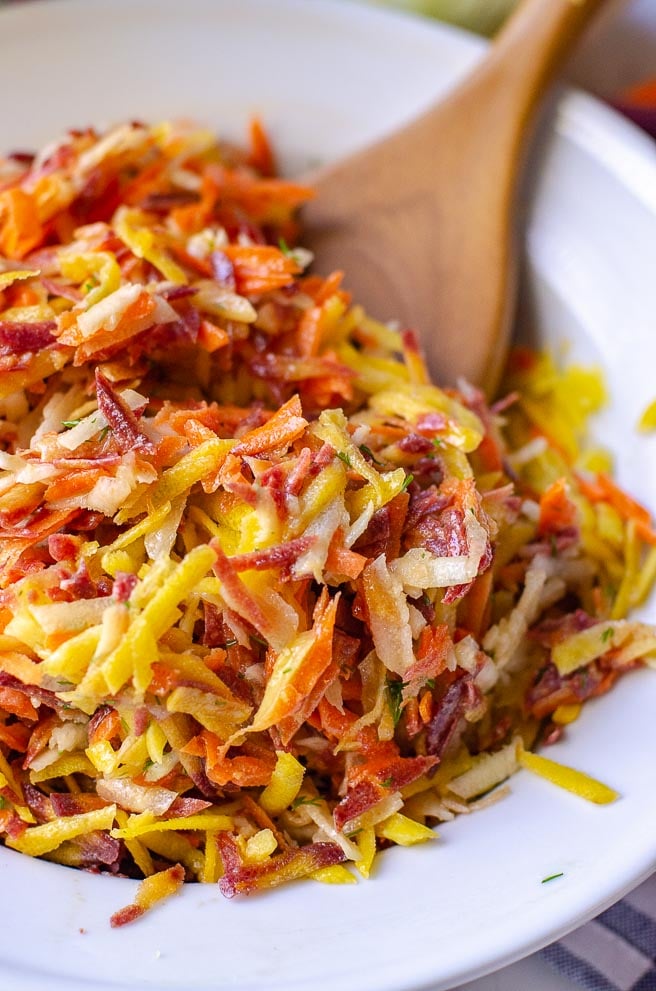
(422, 222)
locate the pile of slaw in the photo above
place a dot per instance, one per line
(271, 600)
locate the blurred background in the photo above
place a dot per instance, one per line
(619, 52)
(617, 60)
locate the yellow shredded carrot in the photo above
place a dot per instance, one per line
(37, 840)
(151, 890)
(568, 778)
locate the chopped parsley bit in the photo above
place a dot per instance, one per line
(395, 697)
(88, 286)
(472, 511)
(3, 802)
(257, 639)
(343, 456)
(387, 783)
(430, 683)
(304, 800)
(607, 634)
(104, 432)
(367, 450)
(126, 728)
(286, 670)
(284, 247)
(552, 877)
(406, 482)
(64, 683)
(69, 424)
(438, 442)
(554, 545)
(147, 763)
(349, 836)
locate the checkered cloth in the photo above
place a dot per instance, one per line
(617, 950)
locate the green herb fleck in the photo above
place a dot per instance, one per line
(284, 247)
(552, 877)
(430, 683)
(349, 836)
(3, 802)
(69, 424)
(64, 683)
(103, 433)
(343, 456)
(438, 442)
(406, 482)
(370, 454)
(126, 728)
(607, 634)
(395, 697)
(257, 639)
(286, 670)
(88, 286)
(387, 783)
(304, 800)
(147, 763)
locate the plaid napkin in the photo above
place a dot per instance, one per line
(617, 950)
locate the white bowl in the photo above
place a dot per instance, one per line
(328, 77)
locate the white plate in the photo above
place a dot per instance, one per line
(328, 77)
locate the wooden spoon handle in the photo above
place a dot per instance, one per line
(498, 105)
(535, 42)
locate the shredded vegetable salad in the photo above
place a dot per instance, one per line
(271, 600)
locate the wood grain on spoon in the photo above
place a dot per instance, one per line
(422, 221)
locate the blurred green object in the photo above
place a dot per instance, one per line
(483, 16)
